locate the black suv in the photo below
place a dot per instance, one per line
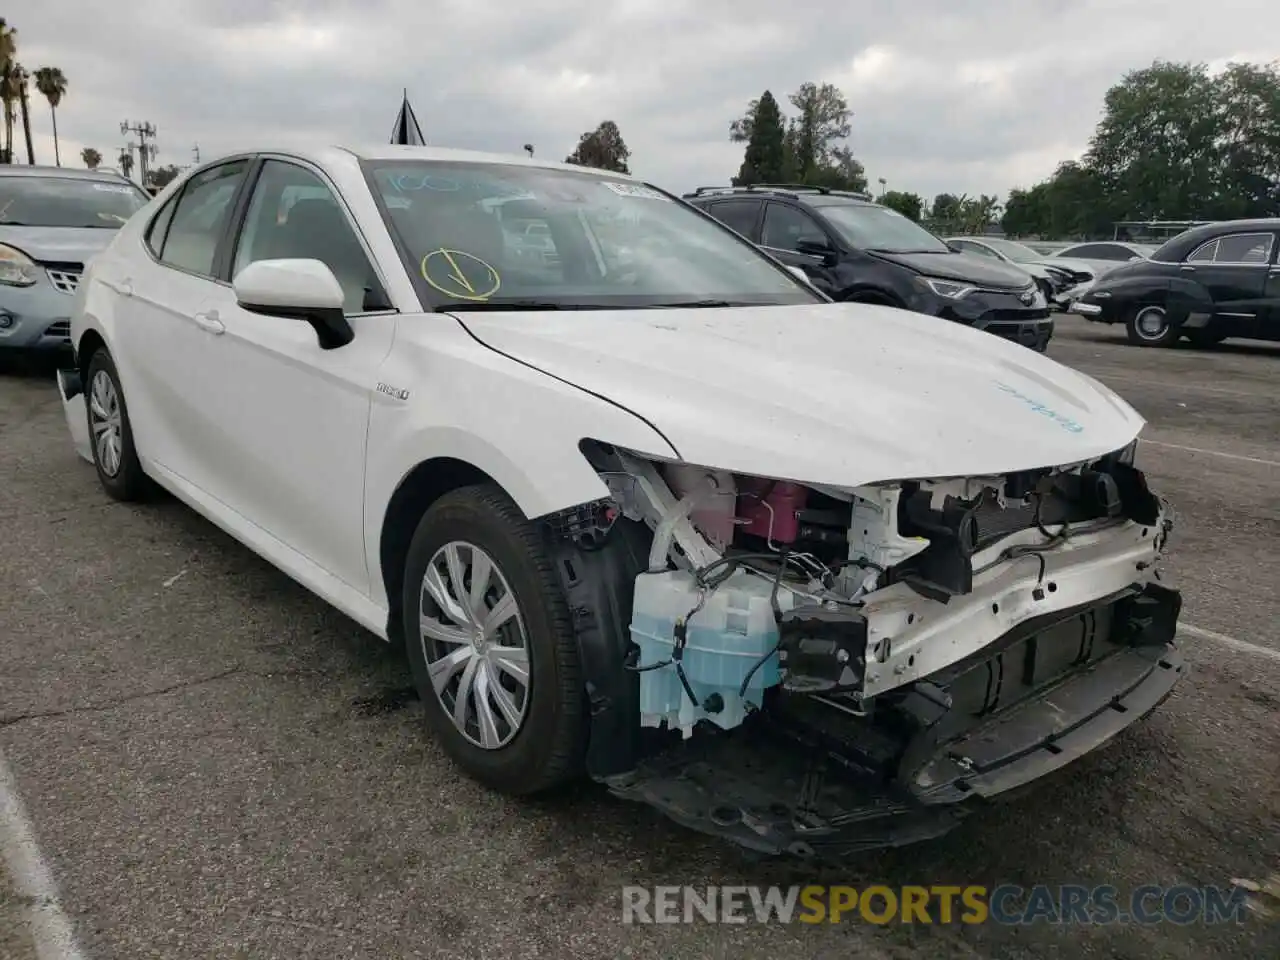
(855, 249)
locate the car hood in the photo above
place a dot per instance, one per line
(982, 271)
(58, 244)
(838, 394)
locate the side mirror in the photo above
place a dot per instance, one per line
(817, 248)
(953, 248)
(799, 273)
(301, 289)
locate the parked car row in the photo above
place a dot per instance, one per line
(850, 570)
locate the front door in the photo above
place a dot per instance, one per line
(785, 230)
(294, 417)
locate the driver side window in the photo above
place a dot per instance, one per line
(785, 227)
(293, 214)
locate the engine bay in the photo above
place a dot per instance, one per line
(755, 584)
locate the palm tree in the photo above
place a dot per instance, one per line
(22, 78)
(9, 93)
(8, 50)
(91, 157)
(53, 85)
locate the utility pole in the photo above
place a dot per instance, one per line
(195, 153)
(146, 134)
(529, 149)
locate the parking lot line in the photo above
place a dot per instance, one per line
(1242, 645)
(1212, 453)
(31, 876)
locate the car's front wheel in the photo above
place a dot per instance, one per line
(114, 455)
(491, 644)
(1149, 326)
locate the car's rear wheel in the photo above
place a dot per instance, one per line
(110, 434)
(491, 644)
(1149, 327)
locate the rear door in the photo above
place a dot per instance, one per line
(1234, 269)
(157, 340)
(740, 214)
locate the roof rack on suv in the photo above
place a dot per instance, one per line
(787, 189)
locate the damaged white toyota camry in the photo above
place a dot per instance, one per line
(640, 503)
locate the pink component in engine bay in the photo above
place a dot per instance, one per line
(770, 508)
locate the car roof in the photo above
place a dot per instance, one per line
(67, 173)
(1182, 244)
(327, 155)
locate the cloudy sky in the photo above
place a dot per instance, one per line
(958, 95)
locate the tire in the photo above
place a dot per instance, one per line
(110, 433)
(1204, 339)
(1149, 327)
(543, 747)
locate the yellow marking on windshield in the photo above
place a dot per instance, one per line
(454, 282)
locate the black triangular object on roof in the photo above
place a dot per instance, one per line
(406, 131)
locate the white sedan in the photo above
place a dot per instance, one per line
(651, 480)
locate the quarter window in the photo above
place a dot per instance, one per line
(200, 218)
(1203, 253)
(294, 215)
(785, 227)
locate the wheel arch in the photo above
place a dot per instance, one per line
(422, 486)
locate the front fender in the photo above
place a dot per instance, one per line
(472, 404)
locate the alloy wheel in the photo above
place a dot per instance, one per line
(474, 644)
(105, 422)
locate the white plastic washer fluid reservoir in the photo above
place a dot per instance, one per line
(732, 632)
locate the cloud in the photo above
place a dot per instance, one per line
(947, 95)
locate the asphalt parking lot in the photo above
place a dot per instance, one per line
(215, 764)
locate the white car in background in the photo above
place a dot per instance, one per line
(688, 493)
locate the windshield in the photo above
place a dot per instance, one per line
(1014, 251)
(477, 234)
(869, 226)
(67, 202)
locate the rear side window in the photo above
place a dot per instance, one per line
(1250, 248)
(1099, 251)
(200, 218)
(737, 215)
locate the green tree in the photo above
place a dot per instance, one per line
(602, 148)
(161, 177)
(52, 84)
(813, 148)
(1247, 105)
(91, 157)
(820, 124)
(1156, 145)
(908, 204)
(765, 159)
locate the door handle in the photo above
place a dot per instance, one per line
(210, 323)
(1188, 269)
